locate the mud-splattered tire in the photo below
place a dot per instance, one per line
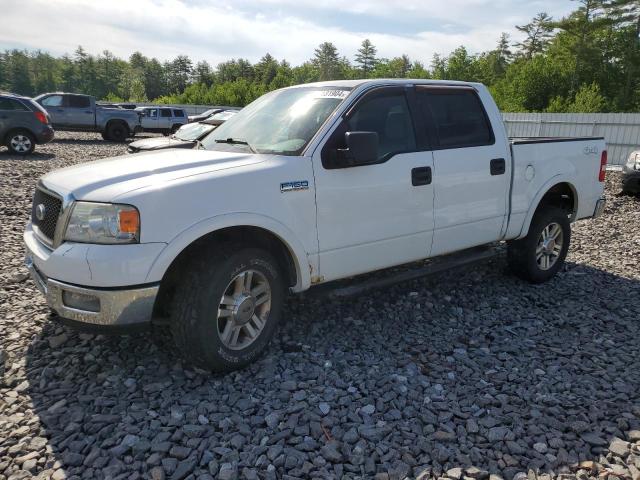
(227, 307)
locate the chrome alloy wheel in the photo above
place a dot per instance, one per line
(549, 246)
(20, 143)
(244, 309)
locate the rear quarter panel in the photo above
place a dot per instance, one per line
(541, 165)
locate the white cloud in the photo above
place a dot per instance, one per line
(289, 29)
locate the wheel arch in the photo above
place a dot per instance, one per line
(559, 192)
(266, 233)
(14, 130)
(111, 121)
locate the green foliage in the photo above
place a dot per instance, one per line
(586, 62)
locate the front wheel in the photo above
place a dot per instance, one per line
(117, 131)
(540, 255)
(227, 308)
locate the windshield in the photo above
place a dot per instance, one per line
(193, 131)
(280, 122)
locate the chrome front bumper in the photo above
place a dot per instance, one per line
(105, 307)
(600, 204)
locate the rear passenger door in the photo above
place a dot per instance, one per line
(471, 174)
(165, 119)
(78, 112)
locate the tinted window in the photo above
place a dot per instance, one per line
(458, 117)
(76, 101)
(387, 114)
(165, 112)
(53, 101)
(178, 113)
(11, 104)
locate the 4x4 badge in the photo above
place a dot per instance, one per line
(294, 186)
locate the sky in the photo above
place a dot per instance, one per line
(216, 31)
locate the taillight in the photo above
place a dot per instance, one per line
(42, 118)
(603, 166)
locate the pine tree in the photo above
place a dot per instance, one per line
(327, 61)
(538, 34)
(366, 57)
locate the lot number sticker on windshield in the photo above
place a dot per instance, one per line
(342, 94)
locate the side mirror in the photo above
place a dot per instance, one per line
(362, 148)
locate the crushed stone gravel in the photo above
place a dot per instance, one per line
(473, 374)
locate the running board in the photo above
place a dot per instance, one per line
(355, 287)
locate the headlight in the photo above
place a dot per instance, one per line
(103, 223)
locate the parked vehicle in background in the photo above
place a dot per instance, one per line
(306, 185)
(107, 105)
(208, 113)
(185, 137)
(631, 173)
(23, 124)
(127, 106)
(162, 119)
(75, 112)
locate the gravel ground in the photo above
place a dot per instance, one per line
(468, 375)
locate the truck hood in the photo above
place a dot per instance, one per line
(104, 180)
(158, 143)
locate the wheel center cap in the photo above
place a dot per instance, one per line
(244, 308)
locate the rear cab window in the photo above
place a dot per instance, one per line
(178, 113)
(455, 117)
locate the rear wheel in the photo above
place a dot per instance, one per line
(540, 255)
(117, 131)
(227, 308)
(20, 142)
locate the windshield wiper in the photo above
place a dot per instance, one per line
(235, 141)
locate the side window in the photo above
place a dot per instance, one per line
(53, 101)
(457, 116)
(165, 112)
(18, 105)
(387, 114)
(178, 113)
(152, 112)
(78, 101)
(6, 104)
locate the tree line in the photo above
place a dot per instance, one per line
(588, 61)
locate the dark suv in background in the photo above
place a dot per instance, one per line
(23, 124)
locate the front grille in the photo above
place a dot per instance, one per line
(52, 206)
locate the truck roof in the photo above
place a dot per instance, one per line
(385, 81)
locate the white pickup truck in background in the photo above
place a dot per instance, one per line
(306, 185)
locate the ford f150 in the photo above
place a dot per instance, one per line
(306, 185)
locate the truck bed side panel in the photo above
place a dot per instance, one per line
(539, 164)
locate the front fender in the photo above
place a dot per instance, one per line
(542, 191)
(204, 227)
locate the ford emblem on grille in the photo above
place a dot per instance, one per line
(41, 210)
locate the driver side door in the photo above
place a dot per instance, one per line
(376, 215)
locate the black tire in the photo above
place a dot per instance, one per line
(117, 131)
(195, 324)
(20, 142)
(522, 254)
(105, 136)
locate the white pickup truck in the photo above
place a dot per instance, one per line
(306, 185)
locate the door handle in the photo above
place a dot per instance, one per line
(497, 166)
(420, 176)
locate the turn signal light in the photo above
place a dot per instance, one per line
(603, 166)
(129, 221)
